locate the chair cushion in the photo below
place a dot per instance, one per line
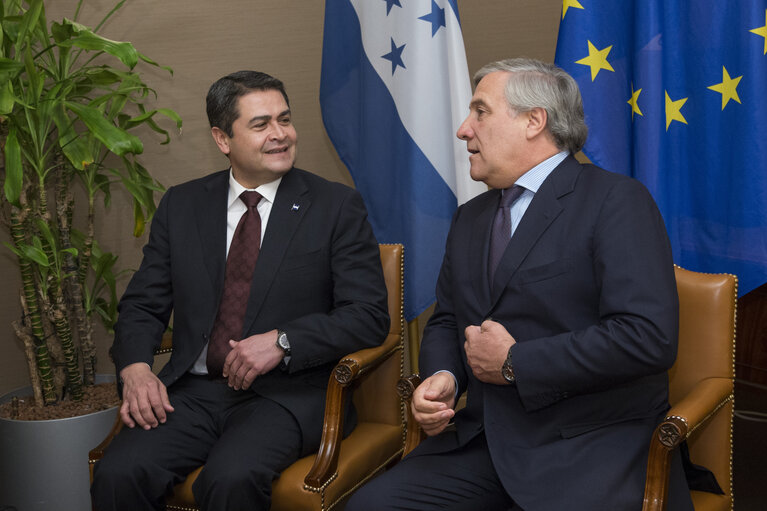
(367, 450)
(703, 501)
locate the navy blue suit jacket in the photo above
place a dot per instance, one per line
(318, 278)
(586, 287)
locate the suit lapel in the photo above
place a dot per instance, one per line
(543, 209)
(211, 225)
(290, 205)
(480, 237)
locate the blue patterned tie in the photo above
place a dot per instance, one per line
(501, 234)
(240, 263)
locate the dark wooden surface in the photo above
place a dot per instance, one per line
(751, 341)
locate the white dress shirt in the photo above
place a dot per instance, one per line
(235, 209)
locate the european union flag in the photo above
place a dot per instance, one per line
(394, 89)
(675, 94)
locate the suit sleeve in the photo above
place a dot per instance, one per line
(440, 348)
(145, 308)
(634, 334)
(359, 316)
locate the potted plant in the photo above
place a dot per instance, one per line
(69, 101)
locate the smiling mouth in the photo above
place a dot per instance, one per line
(277, 150)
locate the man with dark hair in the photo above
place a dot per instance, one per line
(272, 274)
(556, 312)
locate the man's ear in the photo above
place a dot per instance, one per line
(221, 139)
(536, 124)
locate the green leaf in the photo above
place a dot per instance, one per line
(139, 221)
(117, 140)
(153, 63)
(36, 255)
(102, 76)
(7, 99)
(14, 171)
(75, 148)
(34, 77)
(13, 249)
(9, 69)
(61, 32)
(147, 118)
(46, 231)
(29, 20)
(87, 40)
(172, 115)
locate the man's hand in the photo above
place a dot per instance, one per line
(486, 349)
(251, 357)
(145, 398)
(433, 402)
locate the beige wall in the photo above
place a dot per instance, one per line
(202, 41)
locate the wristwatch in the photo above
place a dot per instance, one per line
(507, 371)
(282, 342)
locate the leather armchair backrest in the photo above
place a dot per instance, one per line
(375, 398)
(707, 305)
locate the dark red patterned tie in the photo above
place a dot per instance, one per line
(501, 233)
(243, 253)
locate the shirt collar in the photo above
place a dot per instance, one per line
(534, 178)
(268, 191)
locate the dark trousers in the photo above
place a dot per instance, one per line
(463, 479)
(243, 439)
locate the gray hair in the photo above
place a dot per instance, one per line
(534, 84)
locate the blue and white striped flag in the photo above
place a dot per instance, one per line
(394, 90)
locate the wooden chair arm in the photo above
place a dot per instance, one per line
(358, 363)
(97, 452)
(346, 372)
(702, 402)
(414, 434)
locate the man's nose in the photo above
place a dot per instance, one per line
(464, 131)
(278, 132)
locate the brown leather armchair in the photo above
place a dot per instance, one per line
(701, 391)
(322, 481)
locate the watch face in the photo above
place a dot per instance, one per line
(282, 342)
(508, 373)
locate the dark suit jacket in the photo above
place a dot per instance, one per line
(587, 289)
(318, 278)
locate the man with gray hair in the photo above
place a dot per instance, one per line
(556, 313)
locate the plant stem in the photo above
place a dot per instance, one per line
(33, 318)
(71, 275)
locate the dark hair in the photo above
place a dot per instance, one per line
(221, 101)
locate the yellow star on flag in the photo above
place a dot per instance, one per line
(760, 31)
(634, 102)
(566, 4)
(673, 112)
(597, 60)
(728, 88)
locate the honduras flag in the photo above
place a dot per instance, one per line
(394, 90)
(674, 95)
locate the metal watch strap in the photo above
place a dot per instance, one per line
(507, 370)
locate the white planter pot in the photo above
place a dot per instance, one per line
(44, 464)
